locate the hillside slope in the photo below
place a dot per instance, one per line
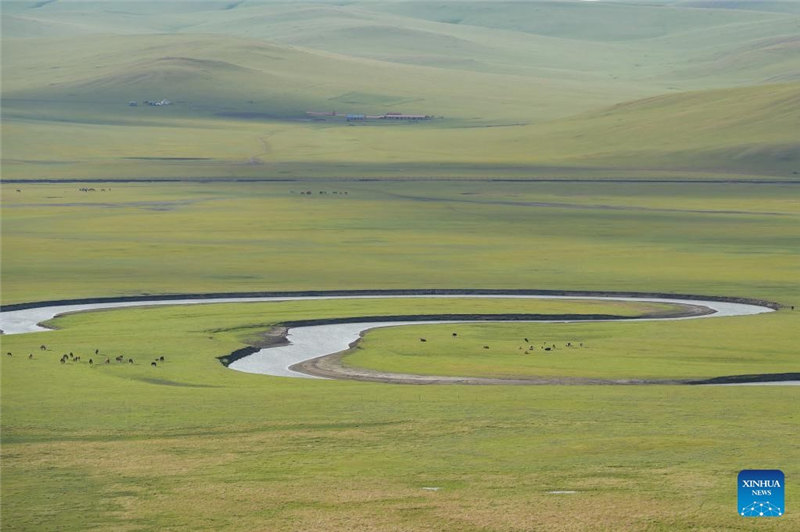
(208, 74)
(746, 131)
(517, 88)
(751, 129)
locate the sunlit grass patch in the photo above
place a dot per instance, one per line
(668, 350)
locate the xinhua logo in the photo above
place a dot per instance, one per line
(761, 493)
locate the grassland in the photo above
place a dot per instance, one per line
(131, 239)
(664, 350)
(192, 445)
(668, 131)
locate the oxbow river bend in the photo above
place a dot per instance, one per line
(314, 341)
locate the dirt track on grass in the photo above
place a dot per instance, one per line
(331, 367)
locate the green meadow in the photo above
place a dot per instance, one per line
(665, 350)
(128, 239)
(587, 146)
(192, 445)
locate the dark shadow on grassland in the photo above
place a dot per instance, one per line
(166, 382)
(757, 377)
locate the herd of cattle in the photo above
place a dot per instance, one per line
(103, 359)
(120, 359)
(528, 347)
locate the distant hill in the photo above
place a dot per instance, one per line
(208, 74)
(520, 87)
(752, 129)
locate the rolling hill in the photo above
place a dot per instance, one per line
(662, 86)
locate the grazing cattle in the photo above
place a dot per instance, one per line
(526, 352)
(108, 361)
(527, 341)
(91, 362)
(9, 354)
(96, 351)
(130, 361)
(161, 358)
(569, 344)
(43, 347)
(455, 334)
(77, 359)
(30, 356)
(120, 358)
(486, 347)
(153, 364)
(422, 340)
(63, 360)
(547, 349)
